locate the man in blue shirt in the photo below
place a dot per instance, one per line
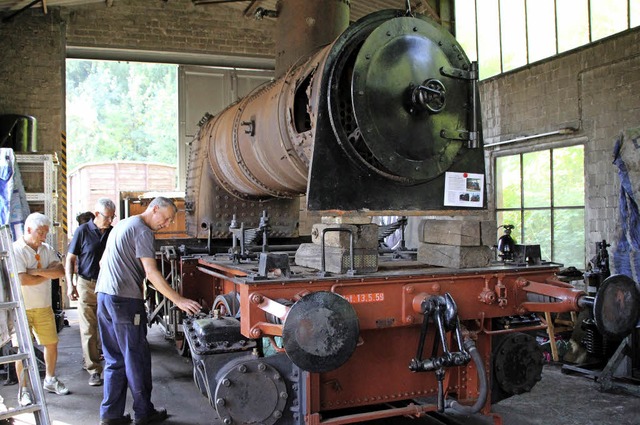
(83, 259)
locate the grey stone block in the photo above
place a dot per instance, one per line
(488, 232)
(337, 260)
(458, 257)
(450, 232)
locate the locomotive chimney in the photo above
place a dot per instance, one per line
(306, 25)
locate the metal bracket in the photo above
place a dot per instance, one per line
(458, 73)
(444, 312)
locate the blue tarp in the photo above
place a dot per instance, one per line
(13, 200)
(626, 247)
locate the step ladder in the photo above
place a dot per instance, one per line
(26, 353)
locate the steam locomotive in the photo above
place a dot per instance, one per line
(328, 328)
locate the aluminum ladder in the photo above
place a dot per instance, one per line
(13, 303)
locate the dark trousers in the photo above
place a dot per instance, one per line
(123, 329)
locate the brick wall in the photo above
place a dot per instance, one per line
(32, 46)
(595, 89)
(176, 25)
(31, 64)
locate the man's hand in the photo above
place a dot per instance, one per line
(72, 291)
(161, 285)
(188, 306)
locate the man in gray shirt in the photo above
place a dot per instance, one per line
(128, 258)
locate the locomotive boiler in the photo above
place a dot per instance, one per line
(379, 117)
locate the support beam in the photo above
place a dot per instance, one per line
(19, 11)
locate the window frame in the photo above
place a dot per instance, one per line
(519, 149)
(631, 5)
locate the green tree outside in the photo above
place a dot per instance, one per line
(118, 111)
(542, 194)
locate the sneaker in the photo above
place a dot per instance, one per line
(24, 398)
(95, 380)
(158, 415)
(54, 386)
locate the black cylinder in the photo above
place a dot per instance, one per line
(18, 132)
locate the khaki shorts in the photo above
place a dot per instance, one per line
(42, 323)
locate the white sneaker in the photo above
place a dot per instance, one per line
(54, 386)
(24, 398)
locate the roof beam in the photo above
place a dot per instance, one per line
(19, 11)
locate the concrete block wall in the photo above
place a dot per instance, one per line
(595, 89)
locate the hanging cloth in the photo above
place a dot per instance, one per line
(626, 252)
(14, 208)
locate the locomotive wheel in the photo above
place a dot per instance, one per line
(228, 304)
(616, 308)
(517, 363)
(182, 347)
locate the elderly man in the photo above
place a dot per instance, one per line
(128, 259)
(37, 263)
(83, 255)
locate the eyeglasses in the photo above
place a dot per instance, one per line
(38, 260)
(109, 217)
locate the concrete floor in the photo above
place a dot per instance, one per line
(558, 399)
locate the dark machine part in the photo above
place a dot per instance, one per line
(276, 263)
(253, 383)
(389, 107)
(595, 342)
(506, 245)
(18, 132)
(527, 254)
(616, 307)
(242, 238)
(598, 269)
(215, 335)
(395, 140)
(597, 346)
(515, 322)
(610, 338)
(243, 387)
(320, 332)
(517, 362)
(444, 312)
(228, 304)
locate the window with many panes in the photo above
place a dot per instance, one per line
(542, 194)
(503, 35)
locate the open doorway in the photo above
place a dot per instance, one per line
(122, 130)
(129, 124)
